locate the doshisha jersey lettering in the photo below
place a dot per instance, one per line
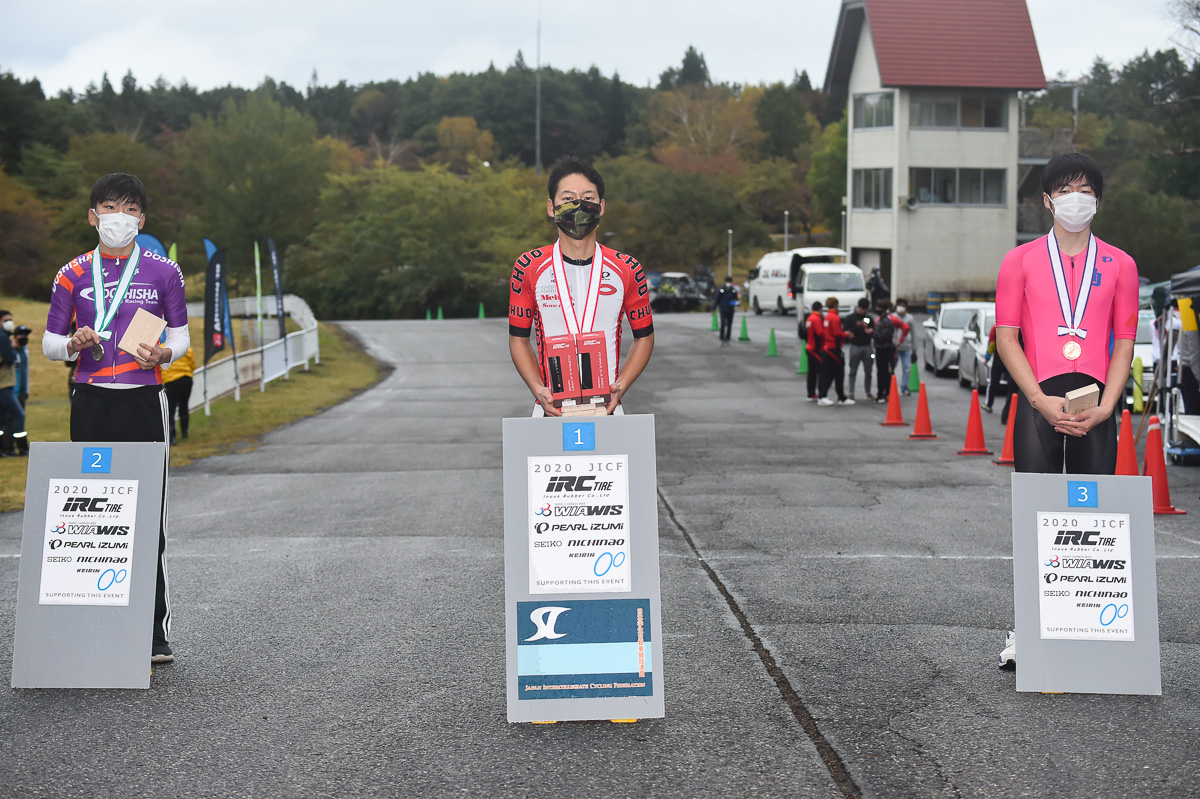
(157, 286)
(534, 304)
(1026, 298)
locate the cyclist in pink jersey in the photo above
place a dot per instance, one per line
(1066, 318)
(596, 285)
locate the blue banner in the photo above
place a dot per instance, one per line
(150, 242)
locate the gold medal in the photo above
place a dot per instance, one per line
(1072, 350)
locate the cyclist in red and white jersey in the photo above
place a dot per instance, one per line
(577, 276)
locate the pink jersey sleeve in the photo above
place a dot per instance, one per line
(1010, 290)
(1125, 302)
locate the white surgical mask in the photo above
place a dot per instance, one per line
(117, 230)
(1074, 211)
(900, 309)
(8, 326)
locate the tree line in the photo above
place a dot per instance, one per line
(392, 197)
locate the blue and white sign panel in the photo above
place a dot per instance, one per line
(583, 636)
(585, 648)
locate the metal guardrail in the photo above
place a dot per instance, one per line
(270, 361)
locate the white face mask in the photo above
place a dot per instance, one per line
(900, 309)
(8, 325)
(1074, 211)
(117, 230)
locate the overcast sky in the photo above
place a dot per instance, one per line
(71, 43)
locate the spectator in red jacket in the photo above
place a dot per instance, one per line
(811, 330)
(834, 367)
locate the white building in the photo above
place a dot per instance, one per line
(933, 136)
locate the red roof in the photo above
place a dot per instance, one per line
(977, 43)
(948, 43)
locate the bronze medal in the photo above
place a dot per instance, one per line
(1072, 350)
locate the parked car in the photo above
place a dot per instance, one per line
(777, 281)
(944, 334)
(675, 291)
(973, 366)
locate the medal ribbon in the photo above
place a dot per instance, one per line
(1072, 320)
(575, 324)
(105, 316)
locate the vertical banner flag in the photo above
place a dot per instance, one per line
(171, 254)
(150, 242)
(258, 291)
(214, 305)
(209, 249)
(276, 271)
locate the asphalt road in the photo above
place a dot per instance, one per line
(834, 596)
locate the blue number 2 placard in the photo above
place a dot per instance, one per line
(1082, 494)
(97, 460)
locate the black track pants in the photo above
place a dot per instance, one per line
(129, 414)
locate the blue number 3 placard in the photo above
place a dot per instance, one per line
(1082, 494)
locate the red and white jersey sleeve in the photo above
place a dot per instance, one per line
(534, 304)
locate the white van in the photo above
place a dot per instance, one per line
(776, 281)
(819, 282)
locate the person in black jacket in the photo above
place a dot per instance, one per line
(726, 302)
(860, 325)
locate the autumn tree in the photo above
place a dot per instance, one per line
(463, 146)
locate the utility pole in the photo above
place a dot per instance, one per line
(537, 141)
(785, 236)
(730, 252)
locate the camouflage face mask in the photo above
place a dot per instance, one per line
(577, 218)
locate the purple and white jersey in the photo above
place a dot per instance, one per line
(157, 286)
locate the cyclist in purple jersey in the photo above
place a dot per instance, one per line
(118, 396)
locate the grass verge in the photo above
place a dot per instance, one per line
(344, 371)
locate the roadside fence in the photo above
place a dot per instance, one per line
(274, 357)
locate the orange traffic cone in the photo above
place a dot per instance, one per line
(1156, 468)
(1126, 449)
(894, 417)
(974, 444)
(922, 429)
(1006, 454)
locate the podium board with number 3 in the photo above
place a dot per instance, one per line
(1085, 589)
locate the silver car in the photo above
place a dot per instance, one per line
(944, 334)
(973, 366)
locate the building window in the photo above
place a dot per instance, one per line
(959, 110)
(873, 189)
(933, 186)
(873, 110)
